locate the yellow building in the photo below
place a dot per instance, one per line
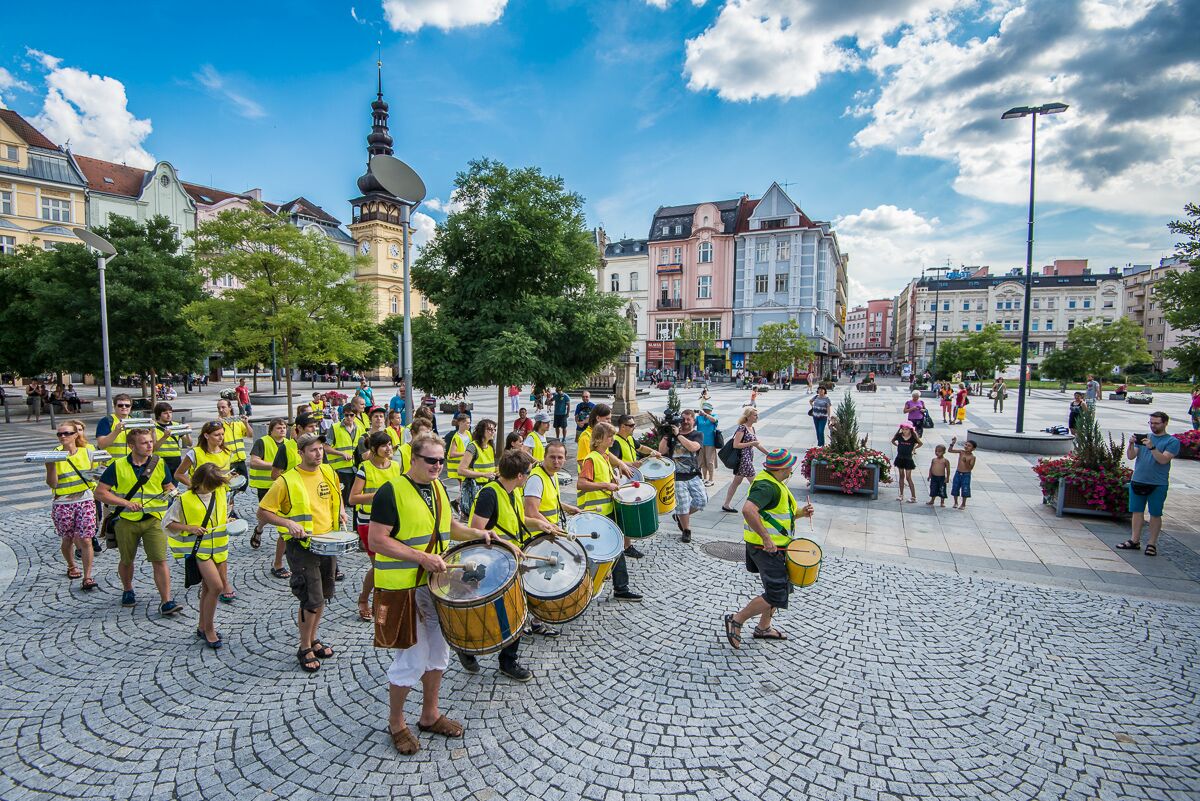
(376, 226)
(41, 189)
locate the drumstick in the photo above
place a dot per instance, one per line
(808, 502)
(463, 566)
(550, 560)
(595, 535)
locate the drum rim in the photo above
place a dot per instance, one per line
(566, 543)
(820, 552)
(668, 464)
(620, 536)
(481, 600)
(653, 494)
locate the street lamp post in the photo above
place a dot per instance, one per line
(937, 307)
(1016, 113)
(106, 251)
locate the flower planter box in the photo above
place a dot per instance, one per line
(1070, 500)
(867, 387)
(1189, 451)
(1116, 396)
(823, 480)
(449, 407)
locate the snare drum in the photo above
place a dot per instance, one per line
(601, 551)
(479, 615)
(637, 510)
(803, 561)
(622, 479)
(236, 527)
(556, 593)
(660, 474)
(333, 543)
(237, 482)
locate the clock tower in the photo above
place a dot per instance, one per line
(376, 226)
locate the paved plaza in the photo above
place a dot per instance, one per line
(999, 652)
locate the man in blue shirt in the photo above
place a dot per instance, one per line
(583, 410)
(1152, 454)
(562, 406)
(396, 404)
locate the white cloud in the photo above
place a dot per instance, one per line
(218, 86)
(887, 218)
(446, 206)
(663, 4)
(424, 230)
(410, 16)
(8, 82)
(91, 112)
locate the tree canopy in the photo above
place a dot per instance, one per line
(1179, 293)
(986, 352)
(780, 347)
(1094, 348)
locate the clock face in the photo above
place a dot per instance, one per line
(395, 267)
(365, 247)
(395, 251)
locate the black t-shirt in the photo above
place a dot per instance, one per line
(280, 462)
(258, 449)
(686, 465)
(487, 506)
(383, 504)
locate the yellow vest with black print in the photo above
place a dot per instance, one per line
(549, 504)
(510, 513)
(460, 440)
(374, 478)
(235, 438)
(69, 482)
(415, 528)
(780, 520)
(119, 447)
(346, 441)
(170, 447)
(300, 505)
(539, 447)
(215, 542)
(628, 448)
(598, 501)
(260, 477)
(150, 495)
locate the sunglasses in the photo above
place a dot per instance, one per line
(433, 460)
(124, 405)
(65, 433)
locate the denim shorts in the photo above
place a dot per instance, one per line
(962, 485)
(1155, 500)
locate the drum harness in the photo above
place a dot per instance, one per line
(775, 524)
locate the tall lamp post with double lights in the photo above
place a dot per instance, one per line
(937, 307)
(106, 251)
(1033, 112)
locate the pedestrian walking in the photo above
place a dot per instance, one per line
(999, 393)
(819, 407)
(708, 425)
(514, 398)
(73, 508)
(1152, 454)
(946, 395)
(745, 441)
(1073, 412)
(1093, 391)
(1194, 409)
(914, 410)
(195, 525)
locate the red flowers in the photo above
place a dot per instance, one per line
(851, 471)
(1101, 488)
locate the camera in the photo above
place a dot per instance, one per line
(672, 418)
(1141, 439)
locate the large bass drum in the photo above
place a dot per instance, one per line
(560, 592)
(480, 610)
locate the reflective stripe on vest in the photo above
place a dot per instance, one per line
(344, 440)
(374, 478)
(485, 459)
(69, 482)
(548, 504)
(598, 501)
(628, 448)
(539, 447)
(782, 514)
(215, 540)
(460, 440)
(299, 506)
(414, 528)
(260, 477)
(510, 512)
(119, 447)
(236, 444)
(170, 446)
(150, 495)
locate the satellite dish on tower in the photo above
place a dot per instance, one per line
(398, 178)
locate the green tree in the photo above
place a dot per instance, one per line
(986, 352)
(21, 353)
(296, 288)
(1179, 293)
(512, 277)
(781, 346)
(1095, 348)
(1060, 366)
(692, 341)
(1187, 356)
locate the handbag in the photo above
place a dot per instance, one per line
(729, 455)
(1141, 489)
(928, 421)
(395, 611)
(718, 438)
(109, 526)
(191, 565)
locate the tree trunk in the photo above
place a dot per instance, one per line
(255, 379)
(153, 387)
(500, 432)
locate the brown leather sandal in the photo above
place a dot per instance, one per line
(405, 741)
(443, 726)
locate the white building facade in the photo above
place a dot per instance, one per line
(625, 271)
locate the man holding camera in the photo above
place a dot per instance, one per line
(1152, 454)
(683, 444)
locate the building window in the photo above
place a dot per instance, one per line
(999, 305)
(1049, 304)
(663, 255)
(677, 255)
(395, 305)
(50, 245)
(1108, 304)
(704, 287)
(966, 305)
(1070, 324)
(946, 306)
(979, 305)
(781, 282)
(666, 329)
(1049, 325)
(614, 282)
(761, 251)
(6, 202)
(783, 250)
(1033, 349)
(1037, 303)
(704, 253)
(1033, 325)
(56, 210)
(945, 327)
(633, 282)
(1087, 303)
(1071, 303)
(8, 152)
(666, 230)
(1007, 325)
(1047, 347)
(8, 244)
(964, 327)
(424, 304)
(760, 284)
(978, 326)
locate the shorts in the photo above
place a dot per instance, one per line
(962, 485)
(362, 539)
(946, 405)
(937, 487)
(431, 652)
(1138, 503)
(74, 521)
(312, 575)
(690, 495)
(149, 531)
(772, 571)
(560, 421)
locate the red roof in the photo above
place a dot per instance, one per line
(32, 136)
(121, 179)
(207, 196)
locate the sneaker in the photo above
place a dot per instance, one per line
(169, 608)
(517, 673)
(128, 598)
(687, 535)
(469, 663)
(633, 553)
(544, 630)
(626, 595)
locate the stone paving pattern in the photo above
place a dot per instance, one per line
(900, 681)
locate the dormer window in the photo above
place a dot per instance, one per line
(678, 229)
(8, 153)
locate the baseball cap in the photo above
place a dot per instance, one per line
(308, 439)
(541, 417)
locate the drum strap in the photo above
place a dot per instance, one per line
(523, 533)
(775, 523)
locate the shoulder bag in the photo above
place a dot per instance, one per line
(191, 565)
(395, 611)
(718, 438)
(109, 527)
(729, 455)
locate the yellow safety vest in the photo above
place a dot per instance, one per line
(460, 439)
(119, 448)
(549, 504)
(485, 458)
(222, 459)
(69, 482)
(260, 478)
(598, 501)
(300, 506)
(293, 454)
(539, 447)
(374, 478)
(215, 541)
(346, 441)
(395, 436)
(628, 448)
(170, 447)
(510, 512)
(584, 446)
(150, 495)
(235, 438)
(415, 527)
(780, 520)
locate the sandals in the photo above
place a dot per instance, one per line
(74, 573)
(443, 726)
(730, 511)
(1130, 545)
(769, 634)
(364, 612)
(228, 597)
(405, 741)
(256, 537)
(308, 661)
(88, 584)
(281, 572)
(321, 650)
(733, 632)
(1151, 550)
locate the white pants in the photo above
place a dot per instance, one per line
(514, 402)
(430, 652)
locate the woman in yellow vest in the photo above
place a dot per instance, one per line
(261, 463)
(377, 425)
(73, 508)
(210, 449)
(340, 454)
(477, 466)
(769, 519)
(373, 473)
(596, 485)
(535, 443)
(236, 431)
(189, 519)
(458, 446)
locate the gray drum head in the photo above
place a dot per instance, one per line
(498, 564)
(654, 469)
(543, 580)
(608, 546)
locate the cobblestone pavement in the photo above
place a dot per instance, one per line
(896, 683)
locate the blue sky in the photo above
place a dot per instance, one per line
(883, 121)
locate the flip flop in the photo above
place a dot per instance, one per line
(74, 573)
(769, 634)
(281, 572)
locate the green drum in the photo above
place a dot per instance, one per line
(637, 510)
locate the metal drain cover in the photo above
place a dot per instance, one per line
(729, 551)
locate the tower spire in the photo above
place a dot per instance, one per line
(379, 141)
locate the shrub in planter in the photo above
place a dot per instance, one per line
(846, 461)
(1189, 444)
(1092, 475)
